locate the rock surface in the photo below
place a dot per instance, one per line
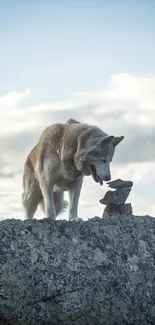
(98, 272)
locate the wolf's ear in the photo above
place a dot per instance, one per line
(117, 140)
(107, 138)
(102, 140)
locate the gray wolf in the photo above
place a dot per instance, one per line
(64, 154)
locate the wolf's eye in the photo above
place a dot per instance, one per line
(103, 160)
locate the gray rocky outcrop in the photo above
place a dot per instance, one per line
(98, 272)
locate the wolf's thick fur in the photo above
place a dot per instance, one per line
(64, 154)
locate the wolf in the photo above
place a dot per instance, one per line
(64, 154)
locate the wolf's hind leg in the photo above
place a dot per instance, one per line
(30, 200)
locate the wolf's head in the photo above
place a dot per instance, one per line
(93, 156)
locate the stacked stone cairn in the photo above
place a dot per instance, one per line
(115, 199)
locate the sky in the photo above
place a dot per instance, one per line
(89, 60)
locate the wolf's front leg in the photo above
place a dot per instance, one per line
(74, 194)
(47, 191)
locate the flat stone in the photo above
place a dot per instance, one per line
(117, 197)
(119, 183)
(115, 210)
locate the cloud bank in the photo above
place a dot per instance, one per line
(124, 107)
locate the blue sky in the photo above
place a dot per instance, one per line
(58, 47)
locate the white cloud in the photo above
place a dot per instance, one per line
(125, 106)
(13, 99)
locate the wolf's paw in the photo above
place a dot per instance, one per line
(77, 219)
